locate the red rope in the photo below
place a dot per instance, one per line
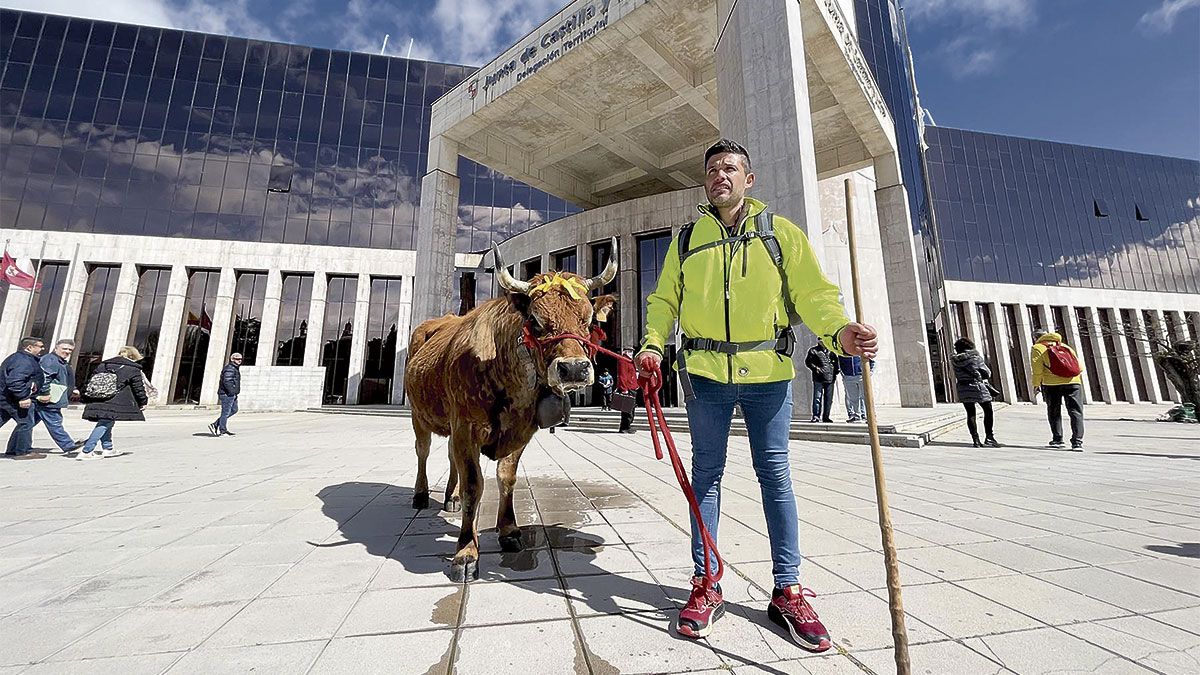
(650, 383)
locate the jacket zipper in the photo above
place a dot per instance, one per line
(725, 267)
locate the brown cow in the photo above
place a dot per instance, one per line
(471, 378)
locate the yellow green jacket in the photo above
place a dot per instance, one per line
(734, 293)
(1041, 363)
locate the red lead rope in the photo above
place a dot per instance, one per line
(651, 383)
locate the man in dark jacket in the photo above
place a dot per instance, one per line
(22, 379)
(227, 393)
(823, 365)
(59, 387)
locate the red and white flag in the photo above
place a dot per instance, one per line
(15, 275)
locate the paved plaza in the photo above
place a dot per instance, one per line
(293, 548)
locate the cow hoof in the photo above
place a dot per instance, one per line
(464, 572)
(452, 505)
(511, 543)
(421, 500)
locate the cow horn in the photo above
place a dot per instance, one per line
(610, 270)
(507, 281)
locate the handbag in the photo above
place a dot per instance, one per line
(992, 390)
(623, 402)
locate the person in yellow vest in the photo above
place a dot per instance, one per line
(732, 279)
(1050, 354)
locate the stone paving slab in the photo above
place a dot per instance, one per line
(293, 548)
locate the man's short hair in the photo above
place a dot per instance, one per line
(725, 145)
(235, 355)
(30, 341)
(65, 341)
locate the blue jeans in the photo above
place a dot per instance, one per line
(856, 402)
(228, 409)
(768, 412)
(102, 434)
(20, 442)
(822, 402)
(54, 425)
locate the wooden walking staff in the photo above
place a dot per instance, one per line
(899, 633)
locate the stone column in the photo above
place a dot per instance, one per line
(218, 336)
(1161, 330)
(627, 290)
(316, 321)
(1006, 376)
(1070, 335)
(1025, 340)
(1180, 331)
(437, 223)
(904, 288)
(1103, 369)
(12, 322)
(403, 332)
(1120, 353)
(358, 336)
(267, 330)
(170, 332)
(122, 309)
(71, 309)
(1140, 331)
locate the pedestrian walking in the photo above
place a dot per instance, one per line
(227, 393)
(1058, 375)
(22, 378)
(748, 273)
(606, 388)
(972, 373)
(115, 392)
(852, 382)
(822, 363)
(59, 388)
(627, 384)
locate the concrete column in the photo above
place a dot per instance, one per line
(316, 320)
(1103, 373)
(1139, 329)
(71, 309)
(170, 332)
(627, 290)
(1006, 376)
(972, 321)
(1180, 332)
(1121, 353)
(1161, 330)
(1025, 340)
(403, 332)
(218, 336)
(358, 337)
(122, 310)
(1070, 335)
(904, 290)
(12, 322)
(437, 224)
(270, 319)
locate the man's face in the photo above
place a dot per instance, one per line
(64, 352)
(236, 360)
(36, 348)
(726, 179)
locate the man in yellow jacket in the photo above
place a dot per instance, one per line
(727, 289)
(1057, 389)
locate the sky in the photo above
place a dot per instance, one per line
(1121, 74)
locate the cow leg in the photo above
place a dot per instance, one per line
(465, 567)
(453, 500)
(506, 519)
(421, 487)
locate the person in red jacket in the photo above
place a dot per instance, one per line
(627, 383)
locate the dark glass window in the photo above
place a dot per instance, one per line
(601, 252)
(383, 322)
(565, 261)
(280, 179)
(292, 331)
(336, 336)
(42, 318)
(148, 307)
(95, 314)
(247, 316)
(194, 335)
(652, 250)
(531, 268)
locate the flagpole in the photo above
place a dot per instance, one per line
(62, 304)
(37, 267)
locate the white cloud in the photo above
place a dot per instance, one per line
(967, 57)
(994, 13)
(1162, 19)
(475, 31)
(227, 18)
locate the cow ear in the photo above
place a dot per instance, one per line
(601, 307)
(520, 302)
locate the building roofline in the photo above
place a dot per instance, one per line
(1049, 140)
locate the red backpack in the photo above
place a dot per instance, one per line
(1062, 361)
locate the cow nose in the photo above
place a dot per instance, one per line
(574, 370)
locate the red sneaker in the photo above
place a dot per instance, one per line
(701, 611)
(789, 608)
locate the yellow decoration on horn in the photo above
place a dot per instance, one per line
(573, 286)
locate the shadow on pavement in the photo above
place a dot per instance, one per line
(1183, 549)
(1150, 454)
(370, 515)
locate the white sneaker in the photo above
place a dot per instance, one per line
(112, 452)
(85, 456)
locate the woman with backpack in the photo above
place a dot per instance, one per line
(115, 392)
(1058, 375)
(972, 375)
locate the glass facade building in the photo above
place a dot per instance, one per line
(1020, 211)
(121, 129)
